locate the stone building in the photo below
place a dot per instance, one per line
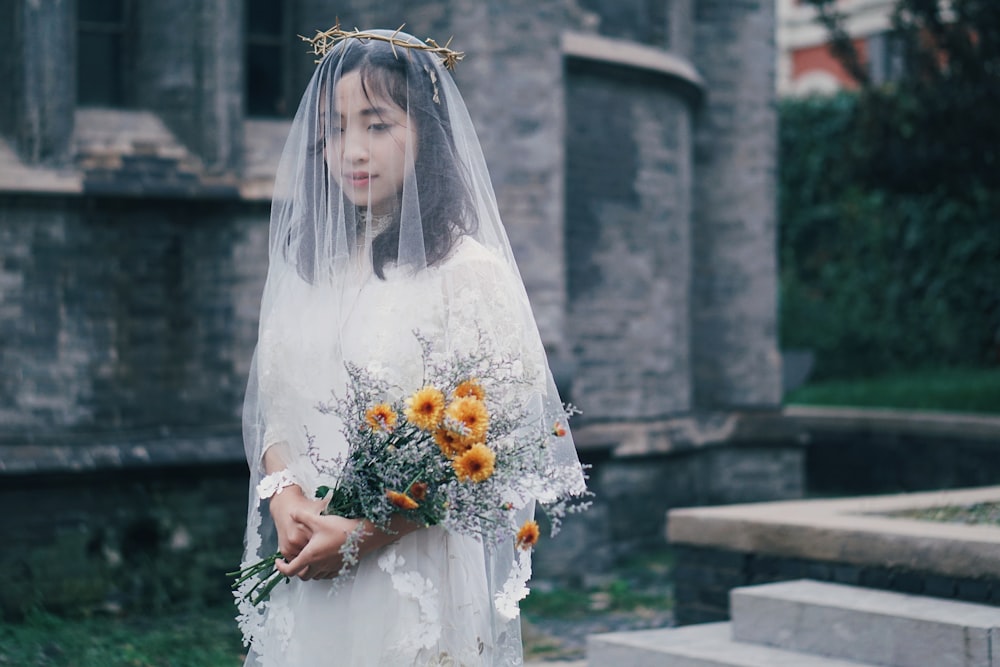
(632, 146)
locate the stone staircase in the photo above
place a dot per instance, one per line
(814, 624)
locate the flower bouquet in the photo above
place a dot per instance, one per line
(466, 451)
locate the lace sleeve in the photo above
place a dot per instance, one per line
(274, 397)
(484, 298)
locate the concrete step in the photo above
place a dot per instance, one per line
(706, 645)
(868, 626)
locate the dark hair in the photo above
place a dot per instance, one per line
(446, 209)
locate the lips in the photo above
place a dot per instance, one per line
(358, 179)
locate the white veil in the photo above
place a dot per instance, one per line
(384, 221)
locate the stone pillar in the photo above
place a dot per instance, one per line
(220, 84)
(43, 86)
(189, 70)
(735, 281)
(628, 227)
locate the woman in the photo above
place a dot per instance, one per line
(384, 223)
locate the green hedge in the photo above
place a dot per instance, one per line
(875, 279)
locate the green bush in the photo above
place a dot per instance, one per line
(890, 199)
(877, 279)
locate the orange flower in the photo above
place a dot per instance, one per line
(527, 537)
(476, 464)
(425, 408)
(450, 442)
(470, 388)
(558, 430)
(417, 491)
(381, 417)
(401, 500)
(471, 413)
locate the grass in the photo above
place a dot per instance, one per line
(641, 582)
(557, 618)
(637, 595)
(204, 638)
(982, 514)
(952, 390)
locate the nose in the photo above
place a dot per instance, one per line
(354, 146)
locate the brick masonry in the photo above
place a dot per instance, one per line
(125, 315)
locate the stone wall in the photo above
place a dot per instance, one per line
(665, 301)
(703, 578)
(125, 315)
(633, 494)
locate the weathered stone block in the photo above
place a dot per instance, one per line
(875, 627)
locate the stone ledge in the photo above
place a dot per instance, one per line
(850, 531)
(687, 432)
(116, 454)
(790, 425)
(15, 176)
(132, 153)
(623, 53)
(923, 424)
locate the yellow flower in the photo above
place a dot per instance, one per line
(473, 415)
(450, 442)
(401, 500)
(470, 388)
(476, 464)
(527, 537)
(425, 408)
(381, 417)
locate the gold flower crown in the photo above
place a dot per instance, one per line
(325, 40)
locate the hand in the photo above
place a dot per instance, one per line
(320, 557)
(292, 534)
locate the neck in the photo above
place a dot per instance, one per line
(379, 222)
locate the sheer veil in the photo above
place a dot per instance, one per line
(384, 222)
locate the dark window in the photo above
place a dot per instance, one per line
(101, 61)
(885, 58)
(268, 41)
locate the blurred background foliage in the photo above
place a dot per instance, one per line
(890, 201)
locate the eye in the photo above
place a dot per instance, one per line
(379, 127)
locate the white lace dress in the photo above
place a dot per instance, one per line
(425, 599)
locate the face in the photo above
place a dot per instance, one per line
(366, 153)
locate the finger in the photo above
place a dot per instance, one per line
(293, 544)
(307, 519)
(298, 540)
(292, 568)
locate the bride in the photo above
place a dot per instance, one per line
(383, 223)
